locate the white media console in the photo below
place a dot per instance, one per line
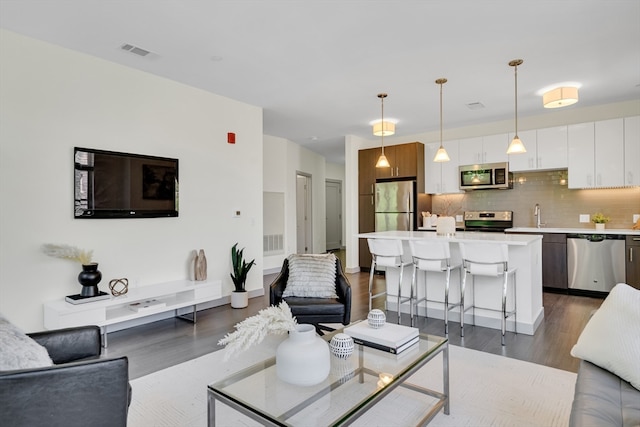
(137, 303)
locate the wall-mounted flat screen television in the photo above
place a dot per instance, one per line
(109, 184)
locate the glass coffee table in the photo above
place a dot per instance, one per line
(354, 386)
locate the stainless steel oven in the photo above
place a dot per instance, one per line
(492, 221)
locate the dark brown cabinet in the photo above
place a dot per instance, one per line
(554, 261)
(632, 260)
(407, 162)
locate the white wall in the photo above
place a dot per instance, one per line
(283, 159)
(52, 99)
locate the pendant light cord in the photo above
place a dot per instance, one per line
(516, 92)
(382, 123)
(441, 114)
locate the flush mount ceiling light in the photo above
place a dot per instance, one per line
(560, 97)
(382, 160)
(516, 146)
(441, 154)
(384, 127)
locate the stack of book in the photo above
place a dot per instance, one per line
(147, 305)
(391, 338)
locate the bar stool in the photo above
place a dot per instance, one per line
(388, 253)
(431, 255)
(488, 260)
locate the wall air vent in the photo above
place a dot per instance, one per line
(135, 50)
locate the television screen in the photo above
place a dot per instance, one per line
(109, 184)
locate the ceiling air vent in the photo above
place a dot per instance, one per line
(475, 106)
(135, 50)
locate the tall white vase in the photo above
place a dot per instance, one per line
(303, 358)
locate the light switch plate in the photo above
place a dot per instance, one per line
(584, 218)
(636, 217)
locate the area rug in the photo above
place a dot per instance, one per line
(486, 390)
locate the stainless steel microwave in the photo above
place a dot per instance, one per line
(487, 176)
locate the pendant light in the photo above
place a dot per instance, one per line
(441, 154)
(382, 160)
(516, 146)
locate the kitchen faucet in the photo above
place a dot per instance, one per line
(537, 212)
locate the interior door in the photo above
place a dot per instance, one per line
(303, 214)
(333, 206)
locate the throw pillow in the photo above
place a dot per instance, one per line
(610, 339)
(311, 276)
(18, 351)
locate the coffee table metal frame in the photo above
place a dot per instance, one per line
(435, 346)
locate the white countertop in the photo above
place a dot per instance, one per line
(459, 236)
(589, 230)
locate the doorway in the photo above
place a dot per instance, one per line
(303, 214)
(333, 195)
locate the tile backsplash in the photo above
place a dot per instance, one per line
(561, 207)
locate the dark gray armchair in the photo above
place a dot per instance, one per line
(80, 389)
(315, 310)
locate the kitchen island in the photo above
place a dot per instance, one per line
(525, 254)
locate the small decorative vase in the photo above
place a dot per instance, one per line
(341, 345)
(376, 318)
(89, 278)
(600, 226)
(303, 359)
(200, 266)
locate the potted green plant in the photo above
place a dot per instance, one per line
(239, 297)
(600, 220)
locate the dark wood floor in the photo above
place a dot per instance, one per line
(161, 344)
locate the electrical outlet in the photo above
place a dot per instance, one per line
(636, 217)
(584, 218)
(459, 218)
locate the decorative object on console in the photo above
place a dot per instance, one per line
(89, 277)
(252, 330)
(342, 346)
(600, 220)
(239, 297)
(303, 358)
(376, 318)
(119, 287)
(200, 266)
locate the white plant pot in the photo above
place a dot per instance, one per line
(239, 299)
(599, 226)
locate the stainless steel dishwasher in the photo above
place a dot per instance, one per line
(595, 262)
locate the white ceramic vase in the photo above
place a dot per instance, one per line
(303, 359)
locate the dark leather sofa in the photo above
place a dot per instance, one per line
(315, 310)
(603, 399)
(80, 389)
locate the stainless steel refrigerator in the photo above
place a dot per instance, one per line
(395, 205)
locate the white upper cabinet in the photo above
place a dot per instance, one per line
(470, 151)
(581, 149)
(486, 149)
(596, 154)
(609, 154)
(552, 148)
(546, 150)
(495, 148)
(632, 150)
(524, 161)
(442, 177)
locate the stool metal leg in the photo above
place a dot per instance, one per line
(504, 306)
(446, 300)
(373, 264)
(462, 292)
